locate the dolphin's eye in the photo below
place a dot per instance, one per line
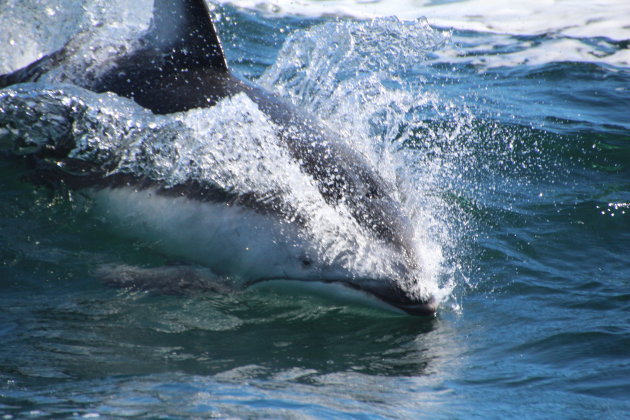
(306, 262)
(372, 192)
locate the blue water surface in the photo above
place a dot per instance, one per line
(531, 167)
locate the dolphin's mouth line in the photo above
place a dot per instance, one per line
(412, 307)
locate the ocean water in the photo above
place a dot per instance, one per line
(507, 134)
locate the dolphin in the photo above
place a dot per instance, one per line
(179, 65)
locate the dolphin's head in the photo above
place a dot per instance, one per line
(369, 199)
(377, 273)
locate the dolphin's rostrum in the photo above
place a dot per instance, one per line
(179, 65)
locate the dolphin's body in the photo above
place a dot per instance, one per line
(179, 66)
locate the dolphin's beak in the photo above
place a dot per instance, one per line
(387, 291)
(420, 307)
(392, 294)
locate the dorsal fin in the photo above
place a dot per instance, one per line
(183, 30)
(179, 53)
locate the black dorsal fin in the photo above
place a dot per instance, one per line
(180, 64)
(183, 31)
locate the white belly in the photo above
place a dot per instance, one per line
(232, 241)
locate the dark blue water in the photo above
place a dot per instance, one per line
(525, 171)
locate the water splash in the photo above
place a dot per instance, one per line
(94, 30)
(374, 81)
(355, 76)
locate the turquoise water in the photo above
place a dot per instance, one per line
(521, 173)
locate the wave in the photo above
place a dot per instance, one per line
(601, 19)
(488, 34)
